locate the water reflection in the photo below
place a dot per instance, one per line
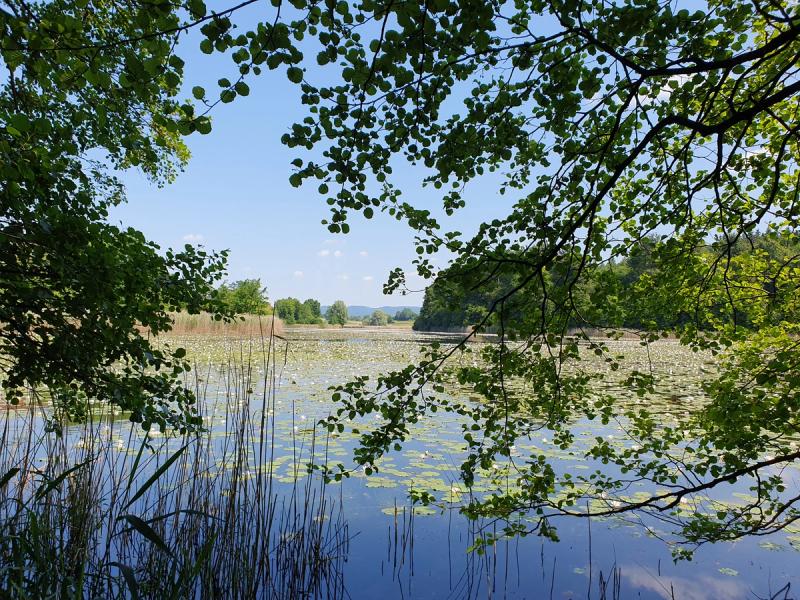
(395, 552)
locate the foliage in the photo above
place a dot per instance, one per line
(615, 294)
(405, 314)
(607, 122)
(337, 313)
(377, 318)
(245, 297)
(291, 310)
(314, 308)
(88, 90)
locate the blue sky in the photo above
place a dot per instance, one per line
(235, 194)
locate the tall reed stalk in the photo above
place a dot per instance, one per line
(106, 511)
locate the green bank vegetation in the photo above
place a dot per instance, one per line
(607, 123)
(337, 313)
(291, 311)
(623, 294)
(247, 296)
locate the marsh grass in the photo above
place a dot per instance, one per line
(246, 326)
(105, 510)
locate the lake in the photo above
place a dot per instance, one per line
(395, 550)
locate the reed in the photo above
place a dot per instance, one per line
(105, 510)
(246, 326)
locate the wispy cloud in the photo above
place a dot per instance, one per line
(193, 238)
(298, 274)
(343, 276)
(368, 278)
(337, 253)
(363, 253)
(704, 587)
(325, 252)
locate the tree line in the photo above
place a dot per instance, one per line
(249, 297)
(620, 294)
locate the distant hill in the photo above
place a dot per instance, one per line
(357, 311)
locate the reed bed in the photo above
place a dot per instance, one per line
(105, 510)
(246, 326)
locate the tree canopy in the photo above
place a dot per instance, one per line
(291, 310)
(606, 122)
(89, 90)
(247, 296)
(337, 313)
(376, 319)
(615, 294)
(405, 314)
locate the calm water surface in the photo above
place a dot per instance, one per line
(396, 554)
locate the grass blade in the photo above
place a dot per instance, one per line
(154, 477)
(138, 459)
(54, 483)
(130, 579)
(148, 532)
(8, 476)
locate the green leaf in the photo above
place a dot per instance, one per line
(155, 476)
(130, 578)
(140, 526)
(8, 476)
(294, 74)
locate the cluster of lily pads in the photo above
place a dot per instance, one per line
(428, 465)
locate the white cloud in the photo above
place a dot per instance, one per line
(193, 238)
(323, 253)
(363, 253)
(368, 278)
(337, 253)
(298, 274)
(703, 588)
(343, 276)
